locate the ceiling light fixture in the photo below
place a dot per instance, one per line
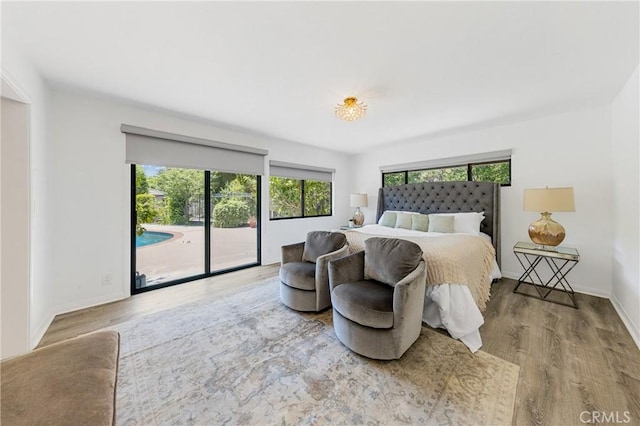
(351, 110)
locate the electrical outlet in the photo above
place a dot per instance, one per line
(107, 279)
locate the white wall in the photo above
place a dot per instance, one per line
(625, 114)
(33, 90)
(92, 192)
(571, 149)
(14, 290)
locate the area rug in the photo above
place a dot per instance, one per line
(245, 359)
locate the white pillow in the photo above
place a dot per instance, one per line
(465, 223)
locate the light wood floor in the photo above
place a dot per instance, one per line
(571, 361)
(90, 319)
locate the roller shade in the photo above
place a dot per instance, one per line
(298, 171)
(449, 161)
(147, 146)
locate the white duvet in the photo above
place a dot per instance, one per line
(448, 305)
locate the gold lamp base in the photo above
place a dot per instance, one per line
(358, 217)
(546, 231)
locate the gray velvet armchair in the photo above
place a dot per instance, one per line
(378, 296)
(304, 277)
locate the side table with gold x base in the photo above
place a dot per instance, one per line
(561, 260)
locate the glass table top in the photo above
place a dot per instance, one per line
(550, 251)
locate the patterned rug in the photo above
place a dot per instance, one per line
(245, 359)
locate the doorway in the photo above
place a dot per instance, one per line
(15, 223)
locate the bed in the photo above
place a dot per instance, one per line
(460, 266)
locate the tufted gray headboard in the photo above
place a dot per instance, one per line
(447, 197)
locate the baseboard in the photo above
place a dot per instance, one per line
(631, 327)
(576, 288)
(88, 303)
(34, 340)
(41, 330)
(266, 262)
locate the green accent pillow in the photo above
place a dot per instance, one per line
(403, 220)
(440, 223)
(420, 222)
(388, 219)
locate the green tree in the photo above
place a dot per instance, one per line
(219, 180)
(164, 211)
(244, 188)
(317, 198)
(499, 172)
(448, 174)
(182, 187)
(285, 196)
(494, 172)
(145, 211)
(145, 202)
(142, 185)
(393, 179)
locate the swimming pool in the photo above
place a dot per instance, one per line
(147, 238)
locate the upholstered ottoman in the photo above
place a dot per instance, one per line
(67, 383)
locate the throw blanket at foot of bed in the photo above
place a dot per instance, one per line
(451, 259)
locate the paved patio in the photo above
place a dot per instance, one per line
(183, 255)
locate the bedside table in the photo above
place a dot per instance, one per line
(346, 228)
(561, 260)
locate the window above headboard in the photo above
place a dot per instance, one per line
(492, 166)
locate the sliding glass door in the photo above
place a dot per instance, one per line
(189, 224)
(234, 220)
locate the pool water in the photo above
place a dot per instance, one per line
(147, 238)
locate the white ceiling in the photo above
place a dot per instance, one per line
(280, 68)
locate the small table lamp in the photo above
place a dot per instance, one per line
(357, 201)
(546, 231)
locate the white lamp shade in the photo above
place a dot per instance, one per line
(549, 200)
(358, 200)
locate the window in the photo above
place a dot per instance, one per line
(491, 167)
(285, 197)
(316, 198)
(195, 207)
(296, 198)
(189, 224)
(437, 175)
(297, 191)
(393, 179)
(499, 172)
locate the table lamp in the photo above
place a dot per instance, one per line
(357, 201)
(546, 231)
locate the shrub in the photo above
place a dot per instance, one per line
(230, 213)
(145, 211)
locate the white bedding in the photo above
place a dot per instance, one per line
(447, 305)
